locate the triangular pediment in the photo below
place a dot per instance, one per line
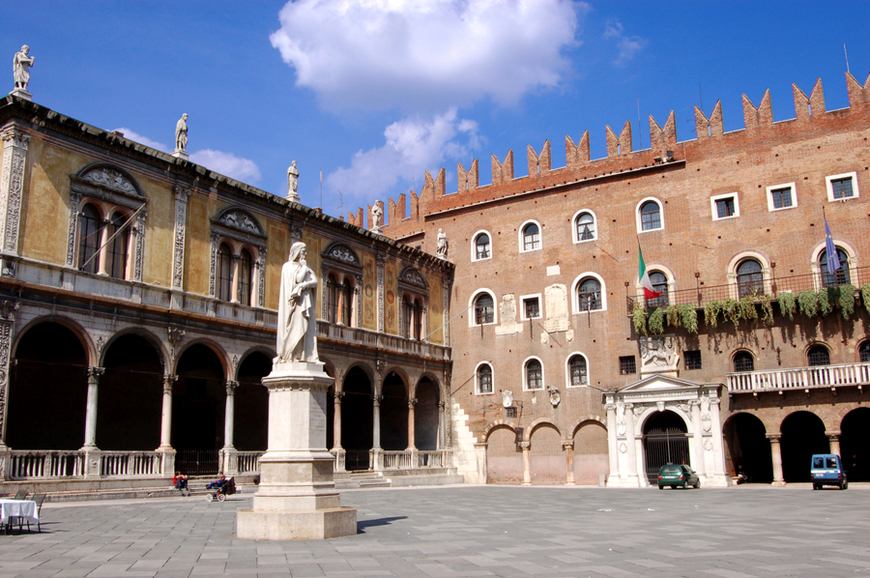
(660, 383)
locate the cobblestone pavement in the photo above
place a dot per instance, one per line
(471, 531)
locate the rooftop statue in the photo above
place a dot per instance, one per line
(181, 134)
(292, 182)
(297, 322)
(377, 213)
(442, 244)
(21, 64)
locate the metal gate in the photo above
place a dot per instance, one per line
(355, 460)
(664, 446)
(198, 462)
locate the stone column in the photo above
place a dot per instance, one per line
(7, 320)
(568, 446)
(234, 283)
(776, 458)
(697, 438)
(834, 440)
(92, 452)
(527, 475)
(103, 248)
(376, 456)
(296, 498)
(336, 421)
(632, 445)
(442, 430)
(230, 457)
(166, 413)
(612, 444)
(411, 432)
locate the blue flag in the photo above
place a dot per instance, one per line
(831, 250)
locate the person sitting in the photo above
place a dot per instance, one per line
(181, 483)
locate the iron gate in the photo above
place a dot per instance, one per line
(664, 446)
(198, 462)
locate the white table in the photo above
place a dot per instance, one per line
(18, 509)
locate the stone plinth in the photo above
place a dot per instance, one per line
(296, 498)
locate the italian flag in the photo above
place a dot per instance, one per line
(642, 274)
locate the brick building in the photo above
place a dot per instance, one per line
(754, 356)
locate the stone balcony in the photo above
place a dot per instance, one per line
(800, 378)
(383, 341)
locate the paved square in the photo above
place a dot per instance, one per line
(459, 531)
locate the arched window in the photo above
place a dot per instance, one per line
(750, 279)
(244, 275)
(116, 258)
(589, 295)
(225, 273)
(484, 378)
(89, 239)
(650, 216)
(482, 247)
(743, 361)
(864, 351)
(531, 237)
(332, 299)
(534, 375)
(484, 309)
(577, 370)
(584, 227)
(818, 355)
(660, 284)
(840, 276)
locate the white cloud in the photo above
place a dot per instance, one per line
(227, 164)
(426, 54)
(628, 46)
(142, 139)
(412, 146)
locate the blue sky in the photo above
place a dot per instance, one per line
(376, 92)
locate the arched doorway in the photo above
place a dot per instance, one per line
(803, 434)
(665, 441)
(251, 405)
(504, 459)
(747, 447)
(394, 413)
(855, 444)
(590, 453)
(547, 465)
(198, 407)
(426, 416)
(48, 390)
(130, 400)
(357, 419)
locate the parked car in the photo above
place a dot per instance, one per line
(827, 470)
(678, 476)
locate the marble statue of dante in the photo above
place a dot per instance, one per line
(21, 67)
(181, 133)
(442, 244)
(297, 323)
(292, 179)
(377, 213)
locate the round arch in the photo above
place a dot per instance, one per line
(547, 462)
(803, 434)
(504, 459)
(575, 284)
(145, 334)
(855, 444)
(251, 403)
(394, 412)
(78, 330)
(591, 456)
(474, 252)
(472, 317)
(357, 416)
(747, 448)
(259, 349)
(665, 439)
(427, 415)
(216, 348)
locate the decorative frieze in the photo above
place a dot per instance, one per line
(15, 145)
(181, 196)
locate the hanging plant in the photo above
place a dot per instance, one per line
(731, 312)
(808, 302)
(638, 318)
(746, 307)
(673, 316)
(712, 308)
(689, 318)
(847, 300)
(656, 321)
(826, 300)
(766, 309)
(865, 296)
(786, 304)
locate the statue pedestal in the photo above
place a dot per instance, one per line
(22, 93)
(296, 499)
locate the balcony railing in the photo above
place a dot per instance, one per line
(131, 464)
(703, 294)
(36, 464)
(413, 459)
(800, 378)
(381, 340)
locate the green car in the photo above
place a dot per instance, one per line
(678, 476)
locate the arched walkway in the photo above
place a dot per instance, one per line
(357, 419)
(547, 464)
(426, 415)
(48, 390)
(747, 447)
(803, 434)
(590, 453)
(504, 459)
(251, 419)
(855, 444)
(198, 407)
(130, 395)
(665, 441)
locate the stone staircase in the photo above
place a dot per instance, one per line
(358, 480)
(465, 454)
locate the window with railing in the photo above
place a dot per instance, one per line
(818, 355)
(627, 365)
(839, 276)
(743, 361)
(660, 285)
(693, 359)
(750, 278)
(864, 351)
